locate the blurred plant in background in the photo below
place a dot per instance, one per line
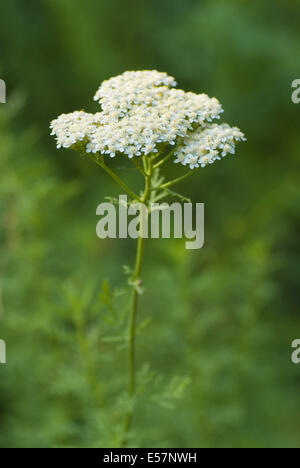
(236, 303)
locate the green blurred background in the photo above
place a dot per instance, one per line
(224, 317)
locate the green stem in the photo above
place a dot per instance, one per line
(165, 159)
(117, 179)
(132, 336)
(136, 163)
(134, 307)
(120, 182)
(179, 179)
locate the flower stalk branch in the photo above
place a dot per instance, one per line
(165, 159)
(101, 163)
(178, 179)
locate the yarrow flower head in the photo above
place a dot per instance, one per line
(140, 112)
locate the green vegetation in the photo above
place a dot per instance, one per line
(214, 367)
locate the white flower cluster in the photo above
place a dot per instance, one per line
(119, 94)
(205, 146)
(140, 110)
(72, 128)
